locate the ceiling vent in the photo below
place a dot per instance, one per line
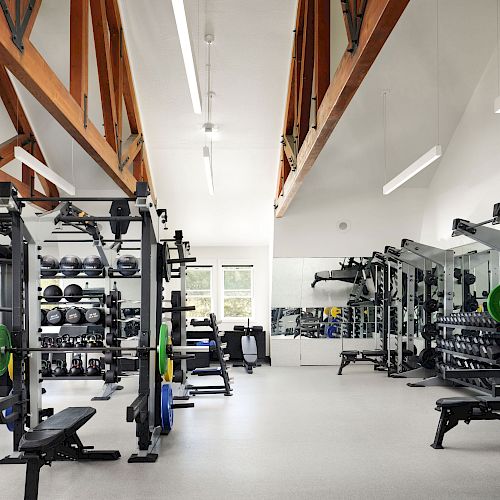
(343, 225)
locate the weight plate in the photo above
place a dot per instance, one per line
(167, 413)
(162, 349)
(5, 343)
(168, 376)
(11, 368)
(493, 303)
(168, 265)
(6, 413)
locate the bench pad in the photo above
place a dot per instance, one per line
(458, 401)
(350, 353)
(68, 420)
(373, 353)
(41, 441)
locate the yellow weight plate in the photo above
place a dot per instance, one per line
(10, 368)
(168, 376)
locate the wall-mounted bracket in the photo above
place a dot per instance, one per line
(353, 19)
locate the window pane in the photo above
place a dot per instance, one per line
(198, 293)
(237, 278)
(238, 293)
(237, 307)
(203, 307)
(198, 279)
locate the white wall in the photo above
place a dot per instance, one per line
(309, 228)
(466, 183)
(259, 258)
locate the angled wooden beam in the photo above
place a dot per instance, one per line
(79, 50)
(306, 73)
(7, 148)
(31, 69)
(379, 20)
(31, 22)
(321, 49)
(25, 190)
(105, 71)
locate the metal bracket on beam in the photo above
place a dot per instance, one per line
(354, 21)
(18, 28)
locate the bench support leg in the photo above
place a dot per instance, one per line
(343, 364)
(447, 421)
(34, 464)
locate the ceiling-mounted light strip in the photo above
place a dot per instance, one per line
(187, 53)
(417, 166)
(28, 159)
(207, 160)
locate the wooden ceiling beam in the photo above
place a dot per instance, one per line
(105, 71)
(321, 49)
(380, 17)
(26, 190)
(79, 50)
(7, 148)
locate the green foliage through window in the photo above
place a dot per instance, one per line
(238, 291)
(199, 291)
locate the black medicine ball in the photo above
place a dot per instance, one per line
(52, 293)
(127, 265)
(54, 317)
(49, 265)
(71, 265)
(92, 265)
(73, 293)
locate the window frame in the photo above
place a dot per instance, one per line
(222, 294)
(213, 302)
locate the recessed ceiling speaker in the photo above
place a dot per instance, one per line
(343, 225)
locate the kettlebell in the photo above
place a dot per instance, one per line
(98, 341)
(94, 368)
(46, 368)
(47, 342)
(67, 341)
(61, 370)
(76, 369)
(81, 342)
(58, 342)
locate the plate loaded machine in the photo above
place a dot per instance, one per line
(442, 279)
(152, 409)
(472, 357)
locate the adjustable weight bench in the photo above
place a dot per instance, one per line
(453, 410)
(376, 357)
(55, 439)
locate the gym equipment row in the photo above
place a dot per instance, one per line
(53, 437)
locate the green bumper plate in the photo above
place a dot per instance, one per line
(162, 349)
(494, 303)
(5, 343)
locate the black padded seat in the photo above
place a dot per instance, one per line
(350, 353)
(68, 420)
(458, 401)
(373, 353)
(41, 441)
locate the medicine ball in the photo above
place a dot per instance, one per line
(49, 265)
(55, 317)
(74, 316)
(127, 265)
(52, 293)
(73, 293)
(71, 265)
(93, 315)
(92, 265)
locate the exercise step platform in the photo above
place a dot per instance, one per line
(55, 439)
(453, 410)
(373, 356)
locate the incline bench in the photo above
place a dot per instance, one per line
(376, 357)
(468, 408)
(55, 439)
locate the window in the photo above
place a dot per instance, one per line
(238, 291)
(199, 291)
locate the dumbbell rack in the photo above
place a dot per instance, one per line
(484, 376)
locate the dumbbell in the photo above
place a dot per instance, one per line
(493, 350)
(93, 315)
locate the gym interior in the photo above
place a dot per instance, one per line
(249, 249)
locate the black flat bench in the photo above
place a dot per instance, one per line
(55, 439)
(463, 408)
(374, 356)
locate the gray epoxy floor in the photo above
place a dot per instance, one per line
(287, 433)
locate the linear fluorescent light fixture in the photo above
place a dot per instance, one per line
(207, 160)
(28, 159)
(417, 166)
(187, 53)
(497, 105)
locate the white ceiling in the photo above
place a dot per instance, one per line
(352, 163)
(250, 61)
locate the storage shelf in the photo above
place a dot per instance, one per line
(469, 356)
(83, 377)
(492, 329)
